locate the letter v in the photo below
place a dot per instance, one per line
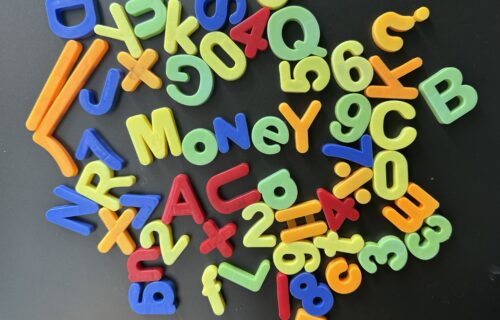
(252, 282)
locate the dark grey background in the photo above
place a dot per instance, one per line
(49, 273)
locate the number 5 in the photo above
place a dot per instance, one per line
(300, 83)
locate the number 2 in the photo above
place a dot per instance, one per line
(254, 237)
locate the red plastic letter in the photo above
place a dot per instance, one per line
(181, 187)
(236, 203)
(218, 238)
(283, 296)
(136, 273)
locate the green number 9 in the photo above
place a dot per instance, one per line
(357, 123)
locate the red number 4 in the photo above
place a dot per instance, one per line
(250, 31)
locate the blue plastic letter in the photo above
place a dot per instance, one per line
(109, 94)
(218, 19)
(146, 203)
(363, 157)
(55, 10)
(93, 141)
(61, 215)
(224, 132)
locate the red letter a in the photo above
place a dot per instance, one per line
(182, 189)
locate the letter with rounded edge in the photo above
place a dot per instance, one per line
(181, 187)
(55, 15)
(107, 181)
(301, 48)
(280, 179)
(174, 72)
(157, 298)
(261, 132)
(223, 178)
(218, 19)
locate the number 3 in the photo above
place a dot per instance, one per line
(433, 238)
(387, 246)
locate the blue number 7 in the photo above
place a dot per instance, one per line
(363, 156)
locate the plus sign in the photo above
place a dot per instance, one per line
(218, 238)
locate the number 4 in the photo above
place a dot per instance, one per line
(250, 32)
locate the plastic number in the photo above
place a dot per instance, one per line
(250, 32)
(300, 83)
(389, 250)
(317, 299)
(157, 298)
(342, 67)
(438, 230)
(299, 250)
(357, 123)
(399, 173)
(239, 65)
(363, 156)
(174, 73)
(170, 251)
(254, 237)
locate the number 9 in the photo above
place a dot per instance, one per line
(299, 250)
(358, 123)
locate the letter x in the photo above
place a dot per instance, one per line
(139, 70)
(117, 231)
(218, 238)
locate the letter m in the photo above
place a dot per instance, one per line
(155, 137)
